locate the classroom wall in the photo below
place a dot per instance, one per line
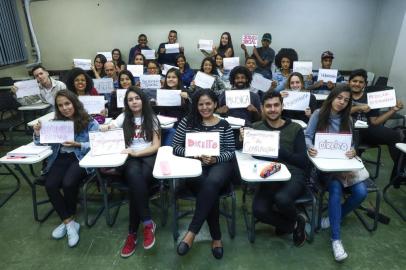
(79, 28)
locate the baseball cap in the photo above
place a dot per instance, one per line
(327, 54)
(267, 36)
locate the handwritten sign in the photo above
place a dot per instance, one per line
(332, 145)
(326, 75)
(148, 54)
(108, 55)
(296, 101)
(238, 98)
(250, 40)
(303, 67)
(27, 88)
(150, 81)
(167, 68)
(56, 131)
(172, 48)
(136, 70)
(260, 82)
(254, 142)
(202, 143)
(204, 80)
(120, 97)
(93, 104)
(382, 99)
(231, 62)
(206, 45)
(104, 85)
(85, 64)
(165, 97)
(106, 143)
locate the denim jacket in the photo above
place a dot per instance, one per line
(82, 137)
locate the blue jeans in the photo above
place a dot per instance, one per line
(167, 136)
(336, 210)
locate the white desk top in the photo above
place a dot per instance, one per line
(34, 107)
(7, 87)
(26, 160)
(336, 164)
(321, 96)
(180, 167)
(104, 161)
(401, 147)
(300, 122)
(360, 124)
(50, 116)
(168, 126)
(246, 165)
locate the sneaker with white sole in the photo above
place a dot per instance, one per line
(325, 223)
(72, 230)
(338, 250)
(149, 235)
(59, 232)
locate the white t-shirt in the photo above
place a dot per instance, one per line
(138, 143)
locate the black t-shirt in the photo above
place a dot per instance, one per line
(362, 115)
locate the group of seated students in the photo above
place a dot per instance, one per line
(274, 203)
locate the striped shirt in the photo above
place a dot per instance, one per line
(227, 146)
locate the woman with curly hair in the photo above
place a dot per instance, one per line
(284, 62)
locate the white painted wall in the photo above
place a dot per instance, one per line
(79, 28)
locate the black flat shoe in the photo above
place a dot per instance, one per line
(217, 252)
(183, 248)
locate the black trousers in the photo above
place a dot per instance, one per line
(207, 189)
(274, 203)
(64, 174)
(138, 174)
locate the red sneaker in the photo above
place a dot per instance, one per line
(129, 246)
(149, 236)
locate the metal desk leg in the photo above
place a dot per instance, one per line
(249, 218)
(16, 188)
(175, 230)
(90, 221)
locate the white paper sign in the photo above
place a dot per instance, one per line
(238, 98)
(165, 97)
(326, 75)
(106, 143)
(260, 82)
(204, 80)
(108, 55)
(296, 101)
(93, 104)
(303, 67)
(261, 142)
(332, 145)
(27, 88)
(136, 70)
(382, 99)
(166, 120)
(56, 132)
(104, 85)
(202, 143)
(85, 64)
(120, 97)
(231, 62)
(172, 48)
(235, 121)
(167, 68)
(205, 44)
(250, 40)
(148, 54)
(150, 81)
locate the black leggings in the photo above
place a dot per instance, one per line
(138, 175)
(207, 189)
(65, 173)
(282, 196)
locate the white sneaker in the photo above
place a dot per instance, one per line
(325, 223)
(338, 250)
(59, 232)
(72, 229)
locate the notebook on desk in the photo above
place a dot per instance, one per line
(28, 150)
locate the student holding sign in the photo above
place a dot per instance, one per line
(169, 58)
(224, 75)
(216, 169)
(97, 69)
(264, 56)
(117, 60)
(376, 133)
(284, 62)
(143, 138)
(110, 71)
(334, 117)
(295, 82)
(63, 170)
(292, 152)
(208, 67)
(225, 47)
(125, 81)
(142, 45)
(185, 70)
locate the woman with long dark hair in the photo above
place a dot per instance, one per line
(97, 69)
(117, 60)
(208, 67)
